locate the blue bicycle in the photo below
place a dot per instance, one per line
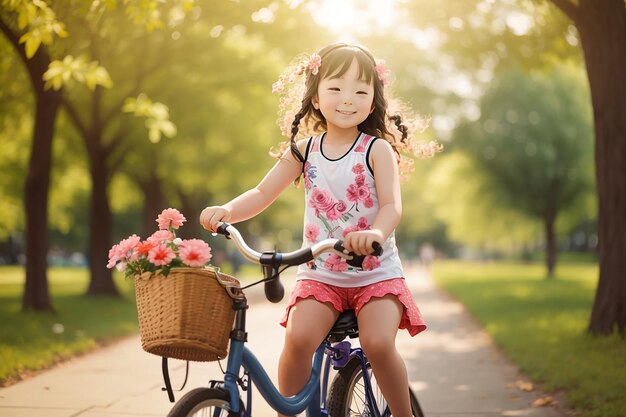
(353, 390)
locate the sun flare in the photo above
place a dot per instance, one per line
(351, 18)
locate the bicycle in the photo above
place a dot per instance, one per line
(352, 392)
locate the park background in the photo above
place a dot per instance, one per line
(111, 111)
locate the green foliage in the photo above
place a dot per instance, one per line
(529, 155)
(541, 324)
(534, 139)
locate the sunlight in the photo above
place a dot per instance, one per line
(351, 18)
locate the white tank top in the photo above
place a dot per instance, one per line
(340, 197)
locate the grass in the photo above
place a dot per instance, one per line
(541, 324)
(31, 341)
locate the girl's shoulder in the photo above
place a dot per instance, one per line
(380, 145)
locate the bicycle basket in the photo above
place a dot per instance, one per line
(188, 314)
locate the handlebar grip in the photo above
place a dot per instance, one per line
(221, 229)
(357, 260)
(378, 249)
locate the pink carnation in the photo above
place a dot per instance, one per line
(161, 255)
(194, 252)
(370, 263)
(335, 263)
(160, 236)
(122, 250)
(170, 217)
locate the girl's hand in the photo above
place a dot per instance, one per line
(211, 217)
(361, 242)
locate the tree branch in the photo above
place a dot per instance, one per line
(75, 117)
(570, 9)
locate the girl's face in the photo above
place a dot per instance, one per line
(345, 101)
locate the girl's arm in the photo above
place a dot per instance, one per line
(255, 200)
(387, 180)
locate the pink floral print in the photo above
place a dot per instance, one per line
(311, 232)
(370, 263)
(335, 263)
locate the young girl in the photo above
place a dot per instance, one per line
(352, 191)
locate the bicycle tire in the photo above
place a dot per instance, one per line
(347, 394)
(200, 400)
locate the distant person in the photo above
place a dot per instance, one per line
(352, 191)
(427, 255)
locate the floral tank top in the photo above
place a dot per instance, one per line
(340, 197)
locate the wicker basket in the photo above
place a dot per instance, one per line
(188, 314)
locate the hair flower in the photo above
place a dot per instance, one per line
(382, 71)
(315, 63)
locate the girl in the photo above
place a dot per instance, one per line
(352, 190)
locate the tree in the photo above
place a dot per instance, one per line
(41, 25)
(599, 27)
(34, 24)
(602, 28)
(533, 141)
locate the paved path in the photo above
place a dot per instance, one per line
(453, 367)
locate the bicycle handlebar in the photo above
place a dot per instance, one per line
(271, 261)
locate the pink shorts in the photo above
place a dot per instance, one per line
(355, 298)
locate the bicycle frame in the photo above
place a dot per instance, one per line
(312, 397)
(239, 355)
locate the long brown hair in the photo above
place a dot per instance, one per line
(336, 60)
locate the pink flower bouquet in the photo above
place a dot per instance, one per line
(160, 252)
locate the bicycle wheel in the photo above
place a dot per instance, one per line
(347, 394)
(203, 402)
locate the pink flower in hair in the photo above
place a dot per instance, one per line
(315, 63)
(382, 71)
(194, 252)
(170, 217)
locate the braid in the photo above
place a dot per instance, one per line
(294, 131)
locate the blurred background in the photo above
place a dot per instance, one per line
(111, 111)
(171, 106)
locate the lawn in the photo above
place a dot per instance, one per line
(31, 341)
(541, 324)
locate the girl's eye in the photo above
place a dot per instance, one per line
(362, 92)
(333, 88)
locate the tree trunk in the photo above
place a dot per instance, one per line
(100, 218)
(192, 228)
(101, 225)
(154, 201)
(602, 27)
(36, 293)
(550, 244)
